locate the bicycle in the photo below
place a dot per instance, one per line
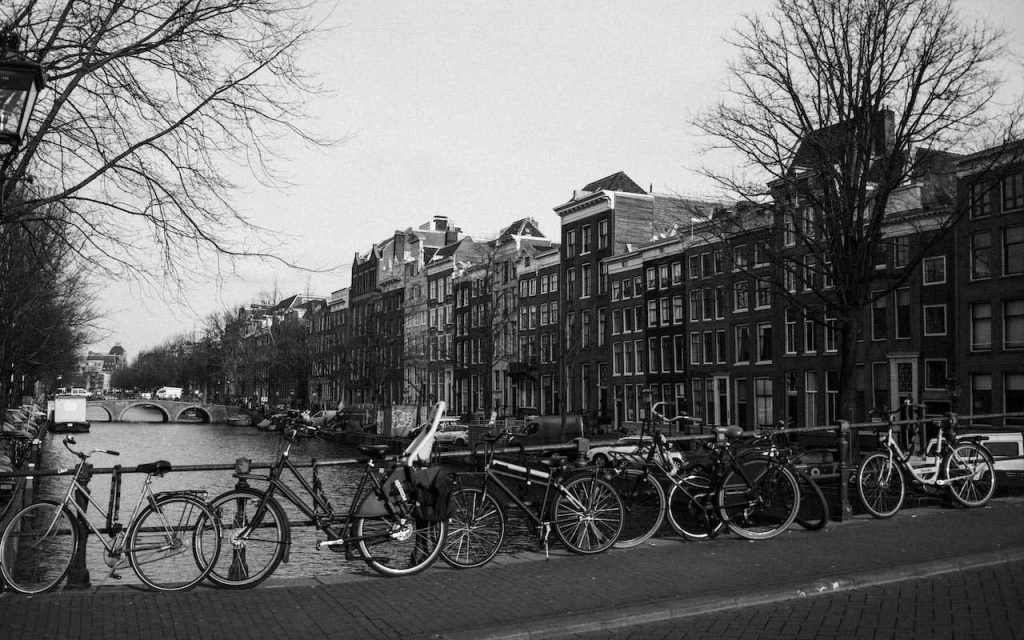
(756, 502)
(383, 521)
(960, 465)
(584, 510)
(171, 541)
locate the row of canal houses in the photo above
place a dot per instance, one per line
(643, 291)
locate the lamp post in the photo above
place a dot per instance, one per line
(21, 80)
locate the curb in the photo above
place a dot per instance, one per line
(677, 608)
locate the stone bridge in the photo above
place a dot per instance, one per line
(172, 410)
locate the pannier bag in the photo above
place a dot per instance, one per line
(432, 489)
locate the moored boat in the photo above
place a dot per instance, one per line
(240, 420)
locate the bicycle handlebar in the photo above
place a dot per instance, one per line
(70, 440)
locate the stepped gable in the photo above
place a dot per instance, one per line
(615, 182)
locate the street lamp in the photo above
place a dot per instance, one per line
(21, 80)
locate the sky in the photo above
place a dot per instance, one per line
(484, 112)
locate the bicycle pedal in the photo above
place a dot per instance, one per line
(115, 575)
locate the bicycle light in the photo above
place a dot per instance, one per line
(243, 465)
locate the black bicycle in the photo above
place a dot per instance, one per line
(385, 521)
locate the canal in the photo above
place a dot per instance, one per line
(146, 439)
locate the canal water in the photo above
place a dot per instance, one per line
(147, 439)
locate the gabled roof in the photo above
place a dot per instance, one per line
(825, 146)
(521, 227)
(615, 182)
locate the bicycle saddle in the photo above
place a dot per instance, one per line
(729, 432)
(375, 451)
(158, 468)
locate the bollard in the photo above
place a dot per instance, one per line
(78, 574)
(845, 510)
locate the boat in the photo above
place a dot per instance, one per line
(240, 420)
(69, 415)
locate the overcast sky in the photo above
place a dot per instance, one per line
(484, 112)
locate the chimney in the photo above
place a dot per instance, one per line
(440, 223)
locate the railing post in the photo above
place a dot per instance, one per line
(845, 459)
(78, 574)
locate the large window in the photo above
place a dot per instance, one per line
(981, 393)
(981, 326)
(981, 255)
(695, 305)
(587, 280)
(934, 269)
(742, 343)
(1013, 250)
(1013, 324)
(811, 399)
(585, 243)
(764, 412)
(810, 332)
(1013, 191)
(879, 323)
(980, 203)
(695, 347)
(903, 313)
(764, 342)
(1013, 388)
(935, 374)
(790, 330)
(570, 243)
(764, 294)
(935, 320)
(741, 296)
(602, 234)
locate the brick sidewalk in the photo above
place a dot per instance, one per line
(524, 595)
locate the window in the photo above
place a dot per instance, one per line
(980, 203)
(627, 288)
(790, 330)
(694, 265)
(638, 349)
(663, 276)
(602, 234)
(679, 344)
(811, 399)
(764, 342)
(678, 314)
(709, 347)
(831, 396)
(720, 303)
(570, 284)
(617, 359)
(810, 268)
(652, 313)
(1013, 191)
(1013, 388)
(665, 307)
(879, 324)
(666, 354)
(739, 257)
(720, 346)
(570, 243)
(587, 280)
(585, 239)
(652, 279)
(741, 402)
(545, 319)
(935, 374)
(810, 335)
(981, 255)
(1013, 250)
(789, 228)
(900, 251)
(694, 347)
(764, 413)
(554, 312)
(761, 254)
(627, 351)
(831, 333)
(764, 294)
(533, 286)
(585, 329)
(981, 326)
(741, 296)
(627, 320)
(903, 313)
(935, 320)
(677, 272)
(615, 290)
(709, 303)
(1013, 324)
(653, 354)
(706, 268)
(602, 325)
(789, 276)
(934, 269)
(981, 393)
(602, 278)
(554, 283)
(716, 261)
(742, 343)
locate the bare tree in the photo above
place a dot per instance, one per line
(835, 106)
(148, 106)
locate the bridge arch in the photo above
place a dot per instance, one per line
(144, 403)
(99, 408)
(203, 413)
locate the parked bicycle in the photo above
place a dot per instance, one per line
(813, 513)
(584, 510)
(755, 501)
(171, 541)
(384, 522)
(962, 466)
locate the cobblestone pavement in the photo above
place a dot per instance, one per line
(522, 595)
(973, 603)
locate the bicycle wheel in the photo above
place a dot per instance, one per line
(813, 512)
(476, 529)
(173, 544)
(643, 504)
(38, 546)
(971, 474)
(254, 558)
(762, 508)
(880, 485)
(587, 514)
(687, 514)
(396, 546)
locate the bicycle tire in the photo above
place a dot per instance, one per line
(687, 514)
(254, 559)
(35, 556)
(813, 514)
(765, 507)
(974, 485)
(588, 514)
(880, 485)
(399, 546)
(476, 529)
(643, 504)
(173, 544)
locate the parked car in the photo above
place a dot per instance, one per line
(320, 418)
(446, 421)
(1007, 448)
(452, 432)
(631, 449)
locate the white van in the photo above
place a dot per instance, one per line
(1007, 448)
(168, 393)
